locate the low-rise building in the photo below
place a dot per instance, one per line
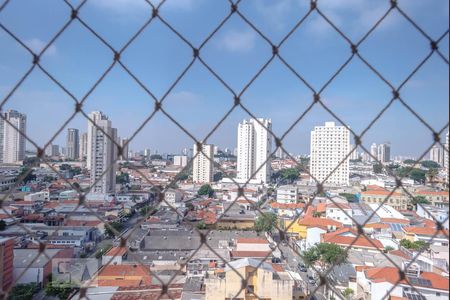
(426, 234)
(340, 212)
(262, 278)
(436, 198)
(379, 195)
(287, 194)
(433, 213)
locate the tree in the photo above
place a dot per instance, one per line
(378, 168)
(266, 222)
(123, 178)
(416, 245)
(413, 173)
(113, 225)
(388, 249)
(349, 197)
(409, 161)
(317, 214)
(144, 211)
(325, 254)
(347, 293)
(59, 289)
(290, 175)
(419, 200)
(29, 177)
(206, 189)
(23, 291)
(429, 164)
(155, 157)
(201, 225)
(2, 225)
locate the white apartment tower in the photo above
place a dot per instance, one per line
(446, 162)
(384, 152)
(203, 164)
(254, 147)
(437, 154)
(101, 153)
(373, 152)
(73, 143)
(83, 146)
(12, 143)
(330, 145)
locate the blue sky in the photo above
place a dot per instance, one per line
(236, 52)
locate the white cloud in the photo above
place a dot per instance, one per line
(238, 41)
(37, 45)
(183, 97)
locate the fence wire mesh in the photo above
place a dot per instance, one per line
(169, 288)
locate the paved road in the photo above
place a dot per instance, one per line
(292, 260)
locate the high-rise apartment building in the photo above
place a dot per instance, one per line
(330, 145)
(446, 167)
(101, 153)
(180, 160)
(12, 136)
(124, 144)
(437, 154)
(384, 152)
(374, 152)
(254, 149)
(203, 164)
(52, 150)
(6, 262)
(83, 146)
(73, 143)
(355, 154)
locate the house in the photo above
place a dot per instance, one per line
(31, 266)
(433, 213)
(340, 212)
(378, 283)
(132, 275)
(377, 195)
(115, 256)
(436, 198)
(426, 234)
(287, 194)
(174, 198)
(263, 279)
(299, 229)
(348, 237)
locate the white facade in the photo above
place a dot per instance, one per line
(437, 154)
(101, 154)
(83, 146)
(446, 158)
(287, 194)
(330, 145)
(11, 141)
(384, 153)
(373, 152)
(203, 165)
(337, 213)
(433, 213)
(173, 198)
(180, 160)
(254, 150)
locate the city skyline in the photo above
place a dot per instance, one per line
(242, 54)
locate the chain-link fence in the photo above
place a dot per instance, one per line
(162, 288)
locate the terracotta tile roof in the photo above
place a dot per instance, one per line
(251, 254)
(395, 220)
(377, 226)
(278, 267)
(425, 231)
(121, 282)
(432, 193)
(400, 253)
(321, 207)
(251, 241)
(125, 271)
(381, 192)
(397, 298)
(116, 251)
(359, 241)
(391, 275)
(148, 292)
(89, 223)
(361, 268)
(318, 222)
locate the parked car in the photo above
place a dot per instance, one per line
(311, 280)
(302, 267)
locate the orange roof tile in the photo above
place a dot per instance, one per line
(318, 222)
(381, 192)
(359, 241)
(125, 271)
(116, 251)
(432, 193)
(425, 231)
(377, 226)
(120, 283)
(288, 205)
(321, 207)
(339, 205)
(391, 275)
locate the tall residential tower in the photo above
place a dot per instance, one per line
(203, 164)
(254, 147)
(330, 145)
(12, 138)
